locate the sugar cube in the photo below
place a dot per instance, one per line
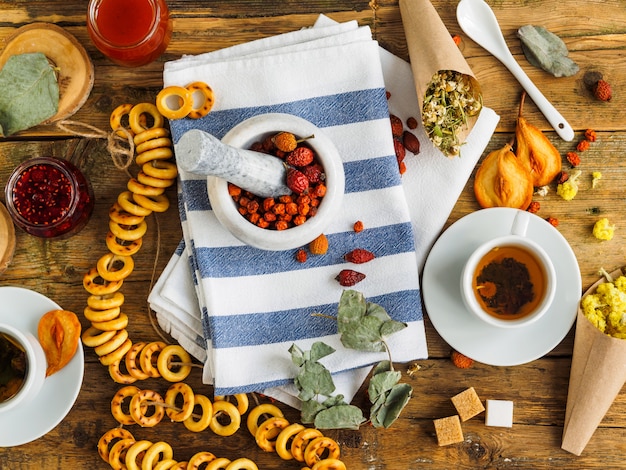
(499, 413)
(448, 430)
(467, 404)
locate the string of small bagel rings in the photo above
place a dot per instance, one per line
(109, 338)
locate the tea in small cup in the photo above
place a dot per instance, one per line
(509, 281)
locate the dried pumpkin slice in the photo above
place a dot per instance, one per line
(502, 181)
(59, 335)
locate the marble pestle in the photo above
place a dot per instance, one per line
(203, 154)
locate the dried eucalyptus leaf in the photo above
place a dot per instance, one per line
(340, 417)
(381, 383)
(352, 306)
(545, 50)
(319, 350)
(397, 399)
(392, 326)
(310, 408)
(382, 366)
(314, 379)
(30, 92)
(297, 355)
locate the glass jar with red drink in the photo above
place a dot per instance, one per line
(129, 32)
(49, 197)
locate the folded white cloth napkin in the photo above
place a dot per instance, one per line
(333, 76)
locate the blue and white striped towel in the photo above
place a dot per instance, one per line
(256, 303)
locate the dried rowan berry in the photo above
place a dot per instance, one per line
(233, 190)
(411, 123)
(553, 221)
(285, 141)
(319, 190)
(397, 127)
(399, 149)
(358, 226)
(590, 135)
(301, 255)
(314, 172)
(573, 158)
(319, 246)
(582, 145)
(534, 207)
(411, 142)
(602, 90)
(349, 277)
(461, 361)
(457, 39)
(268, 145)
(296, 181)
(561, 177)
(282, 225)
(290, 208)
(300, 157)
(359, 256)
(299, 219)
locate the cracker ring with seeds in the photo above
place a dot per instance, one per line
(132, 454)
(183, 412)
(108, 268)
(301, 441)
(130, 361)
(199, 458)
(93, 286)
(116, 324)
(220, 463)
(161, 153)
(164, 362)
(208, 99)
(138, 412)
(138, 110)
(135, 187)
(148, 180)
(282, 441)
(200, 424)
(94, 337)
(167, 464)
(242, 464)
(118, 376)
(125, 248)
(268, 430)
(116, 355)
(115, 342)
(118, 453)
(317, 447)
(118, 400)
(227, 408)
(104, 443)
(125, 199)
(128, 233)
(329, 464)
(150, 144)
(115, 119)
(105, 302)
(101, 315)
(242, 401)
(183, 98)
(150, 134)
(119, 215)
(259, 410)
(157, 452)
(146, 358)
(158, 203)
(161, 169)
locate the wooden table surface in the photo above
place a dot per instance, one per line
(595, 33)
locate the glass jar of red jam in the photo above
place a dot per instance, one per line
(129, 32)
(49, 197)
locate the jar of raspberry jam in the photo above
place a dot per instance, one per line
(49, 197)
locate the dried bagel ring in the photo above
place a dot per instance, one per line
(160, 169)
(208, 98)
(186, 409)
(137, 411)
(105, 302)
(128, 233)
(157, 452)
(180, 466)
(257, 412)
(164, 363)
(155, 203)
(119, 215)
(147, 180)
(112, 267)
(123, 247)
(183, 98)
(230, 410)
(115, 371)
(317, 447)
(116, 324)
(242, 464)
(162, 153)
(150, 144)
(125, 199)
(283, 441)
(138, 110)
(116, 355)
(101, 315)
(115, 342)
(136, 187)
(206, 407)
(117, 456)
(166, 464)
(150, 134)
(95, 285)
(267, 431)
(147, 360)
(219, 463)
(329, 464)
(301, 440)
(242, 401)
(118, 400)
(199, 458)
(115, 119)
(94, 337)
(109, 438)
(130, 360)
(133, 452)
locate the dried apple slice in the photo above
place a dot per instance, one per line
(59, 335)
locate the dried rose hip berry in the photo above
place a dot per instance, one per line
(399, 149)
(314, 172)
(349, 277)
(297, 181)
(411, 123)
(359, 256)
(411, 142)
(397, 127)
(302, 156)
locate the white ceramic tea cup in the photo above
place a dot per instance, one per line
(35, 369)
(543, 293)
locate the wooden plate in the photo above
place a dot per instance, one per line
(7, 238)
(76, 74)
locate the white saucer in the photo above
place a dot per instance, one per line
(468, 335)
(22, 308)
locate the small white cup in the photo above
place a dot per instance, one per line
(35, 370)
(516, 245)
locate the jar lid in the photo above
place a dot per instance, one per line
(7, 238)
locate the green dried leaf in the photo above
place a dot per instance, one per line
(310, 408)
(30, 92)
(297, 355)
(320, 350)
(381, 383)
(545, 50)
(382, 366)
(352, 307)
(340, 417)
(390, 327)
(396, 400)
(314, 379)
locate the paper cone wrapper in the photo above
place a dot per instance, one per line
(431, 50)
(597, 375)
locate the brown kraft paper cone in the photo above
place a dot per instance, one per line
(597, 375)
(432, 49)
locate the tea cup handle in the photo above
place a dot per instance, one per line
(520, 223)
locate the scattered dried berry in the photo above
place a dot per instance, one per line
(349, 277)
(302, 156)
(402, 168)
(590, 135)
(602, 90)
(301, 255)
(457, 39)
(534, 207)
(319, 246)
(399, 149)
(582, 145)
(411, 142)
(387, 94)
(561, 178)
(358, 226)
(314, 172)
(461, 361)
(553, 221)
(359, 256)
(411, 123)
(573, 158)
(297, 181)
(397, 127)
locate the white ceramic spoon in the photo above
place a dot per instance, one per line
(478, 21)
